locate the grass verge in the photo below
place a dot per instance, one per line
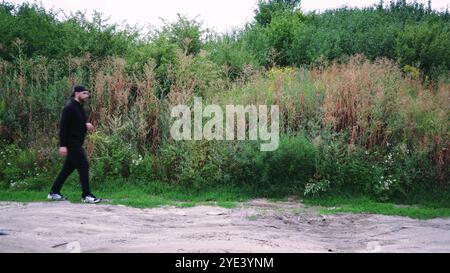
(139, 197)
(154, 195)
(335, 204)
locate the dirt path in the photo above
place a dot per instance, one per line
(256, 226)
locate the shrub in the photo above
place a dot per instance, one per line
(111, 157)
(19, 168)
(291, 165)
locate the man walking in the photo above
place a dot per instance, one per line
(73, 127)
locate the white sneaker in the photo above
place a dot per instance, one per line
(56, 197)
(91, 199)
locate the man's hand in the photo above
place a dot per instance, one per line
(63, 151)
(89, 126)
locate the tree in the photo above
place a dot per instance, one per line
(268, 9)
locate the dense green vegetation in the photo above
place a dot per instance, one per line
(363, 95)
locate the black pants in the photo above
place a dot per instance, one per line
(76, 159)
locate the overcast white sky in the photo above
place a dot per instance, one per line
(220, 15)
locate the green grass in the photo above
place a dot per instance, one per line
(139, 197)
(366, 205)
(23, 196)
(150, 195)
(227, 204)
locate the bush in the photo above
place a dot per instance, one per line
(291, 166)
(425, 45)
(19, 168)
(231, 54)
(267, 10)
(43, 34)
(111, 157)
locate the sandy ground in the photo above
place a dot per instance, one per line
(256, 226)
